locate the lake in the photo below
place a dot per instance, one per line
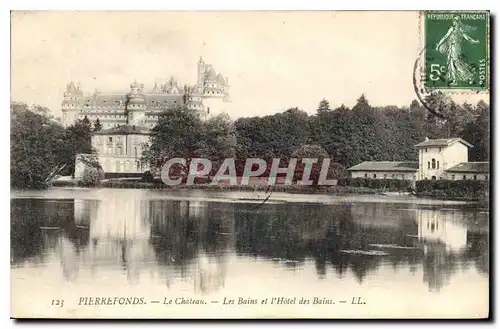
(146, 253)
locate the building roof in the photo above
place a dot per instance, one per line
(220, 79)
(124, 130)
(441, 142)
(474, 167)
(211, 75)
(385, 166)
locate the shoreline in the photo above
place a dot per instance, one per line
(288, 189)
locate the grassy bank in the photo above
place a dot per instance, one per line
(435, 193)
(277, 188)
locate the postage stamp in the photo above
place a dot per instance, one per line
(457, 50)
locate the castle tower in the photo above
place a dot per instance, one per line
(201, 75)
(215, 92)
(136, 105)
(71, 104)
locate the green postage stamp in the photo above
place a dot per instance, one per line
(457, 50)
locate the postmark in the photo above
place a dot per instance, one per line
(456, 50)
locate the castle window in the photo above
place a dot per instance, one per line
(439, 149)
(393, 176)
(452, 177)
(366, 175)
(465, 176)
(475, 177)
(433, 163)
(433, 177)
(403, 176)
(425, 150)
(437, 165)
(374, 175)
(486, 177)
(385, 176)
(110, 139)
(428, 165)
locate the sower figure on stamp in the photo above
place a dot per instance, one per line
(450, 45)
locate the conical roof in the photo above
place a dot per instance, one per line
(212, 75)
(220, 79)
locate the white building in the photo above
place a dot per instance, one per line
(437, 155)
(437, 159)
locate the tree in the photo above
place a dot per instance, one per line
(40, 145)
(310, 151)
(477, 132)
(176, 134)
(278, 135)
(78, 140)
(218, 140)
(97, 125)
(361, 104)
(85, 121)
(323, 107)
(37, 146)
(181, 133)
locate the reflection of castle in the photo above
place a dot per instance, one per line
(170, 239)
(119, 235)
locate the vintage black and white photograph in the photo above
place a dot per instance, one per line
(250, 164)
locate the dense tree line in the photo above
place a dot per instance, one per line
(348, 136)
(365, 132)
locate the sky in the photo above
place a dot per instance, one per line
(273, 60)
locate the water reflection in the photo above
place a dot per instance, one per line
(195, 242)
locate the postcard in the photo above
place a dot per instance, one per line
(250, 165)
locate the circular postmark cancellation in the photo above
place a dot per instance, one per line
(426, 96)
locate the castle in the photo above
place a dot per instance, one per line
(127, 118)
(209, 95)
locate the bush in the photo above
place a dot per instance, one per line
(389, 184)
(453, 188)
(92, 177)
(147, 177)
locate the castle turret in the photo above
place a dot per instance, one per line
(71, 104)
(136, 105)
(201, 75)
